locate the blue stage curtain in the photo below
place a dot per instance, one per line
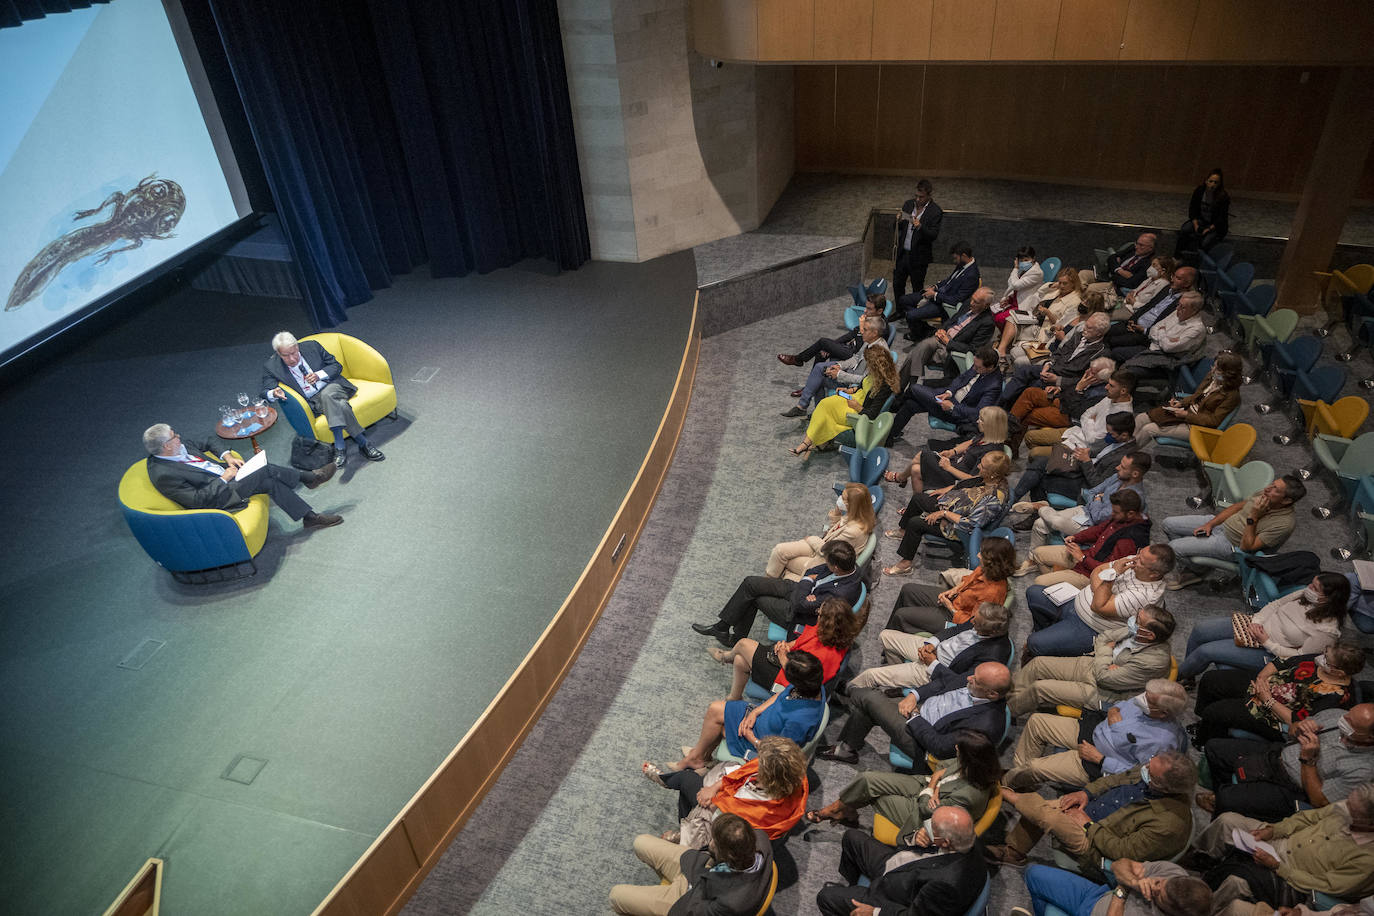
(394, 132)
(17, 12)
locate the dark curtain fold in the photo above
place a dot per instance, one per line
(398, 131)
(17, 12)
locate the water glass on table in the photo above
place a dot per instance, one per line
(260, 409)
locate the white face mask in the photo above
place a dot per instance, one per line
(1145, 772)
(839, 503)
(1141, 701)
(1311, 595)
(1152, 272)
(1347, 732)
(181, 452)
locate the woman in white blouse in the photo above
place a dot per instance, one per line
(1021, 295)
(1300, 623)
(1056, 305)
(1160, 272)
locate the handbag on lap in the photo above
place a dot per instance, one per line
(1240, 629)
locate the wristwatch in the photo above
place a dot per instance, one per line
(1119, 893)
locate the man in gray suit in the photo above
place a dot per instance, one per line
(313, 373)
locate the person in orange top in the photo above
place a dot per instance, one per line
(926, 609)
(829, 639)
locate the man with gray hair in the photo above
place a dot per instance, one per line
(910, 658)
(192, 479)
(848, 371)
(312, 372)
(1128, 734)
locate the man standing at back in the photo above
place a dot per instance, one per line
(918, 226)
(313, 373)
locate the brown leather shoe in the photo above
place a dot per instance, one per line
(787, 359)
(318, 476)
(1004, 855)
(318, 520)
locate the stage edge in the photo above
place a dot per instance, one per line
(387, 875)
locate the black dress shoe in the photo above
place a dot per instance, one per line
(372, 453)
(794, 412)
(340, 458)
(787, 359)
(318, 476)
(710, 629)
(318, 520)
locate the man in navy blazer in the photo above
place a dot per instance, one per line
(924, 304)
(909, 660)
(958, 402)
(918, 226)
(942, 876)
(788, 604)
(929, 720)
(312, 372)
(966, 331)
(1127, 266)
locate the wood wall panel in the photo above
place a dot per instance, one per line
(1237, 30)
(901, 29)
(844, 29)
(1025, 30)
(1158, 29)
(814, 108)
(962, 29)
(856, 115)
(1090, 29)
(900, 93)
(786, 29)
(725, 29)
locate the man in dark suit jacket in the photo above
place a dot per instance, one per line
(967, 330)
(1134, 332)
(922, 305)
(941, 877)
(957, 402)
(918, 226)
(910, 659)
(1086, 468)
(190, 479)
(312, 372)
(788, 604)
(732, 875)
(928, 720)
(1071, 358)
(1126, 267)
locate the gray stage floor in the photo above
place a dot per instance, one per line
(358, 656)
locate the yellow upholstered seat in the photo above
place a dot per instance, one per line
(1228, 446)
(366, 369)
(884, 831)
(1075, 713)
(1343, 418)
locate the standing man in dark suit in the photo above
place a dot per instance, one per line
(934, 874)
(732, 875)
(194, 481)
(957, 402)
(921, 306)
(918, 226)
(312, 372)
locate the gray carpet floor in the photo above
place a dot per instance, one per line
(555, 832)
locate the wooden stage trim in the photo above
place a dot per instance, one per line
(399, 859)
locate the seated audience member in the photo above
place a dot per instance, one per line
(1054, 409)
(194, 481)
(1217, 395)
(1096, 507)
(941, 877)
(1282, 694)
(732, 875)
(1091, 426)
(1142, 889)
(910, 658)
(1124, 660)
(959, 402)
(1361, 605)
(970, 329)
(837, 348)
(1172, 339)
(1023, 289)
(848, 371)
(832, 414)
(788, 604)
(829, 639)
(918, 308)
(1333, 752)
(928, 609)
(1125, 531)
(934, 470)
(927, 721)
(1127, 267)
(1261, 523)
(1033, 353)
(1329, 850)
(1130, 732)
(1134, 332)
(1299, 623)
(795, 714)
(969, 781)
(1115, 592)
(311, 371)
(1157, 277)
(970, 504)
(1067, 361)
(768, 791)
(1141, 814)
(1070, 469)
(1209, 211)
(1056, 305)
(851, 520)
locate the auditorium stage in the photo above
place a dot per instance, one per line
(260, 735)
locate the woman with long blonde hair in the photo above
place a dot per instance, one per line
(851, 520)
(937, 471)
(832, 414)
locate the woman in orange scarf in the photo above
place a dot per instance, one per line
(926, 609)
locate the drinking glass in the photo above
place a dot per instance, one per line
(227, 416)
(260, 408)
(243, 399)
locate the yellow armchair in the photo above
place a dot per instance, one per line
(365, 368)
(1228, 446)
(1343, 418)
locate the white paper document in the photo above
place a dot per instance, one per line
(1061, 592)
(1246, 842)
(256, 463)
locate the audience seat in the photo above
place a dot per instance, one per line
(1050, 268)
(365, 368)
(1284, 360)
(1322, 383)
(1251, 303)
(1231, 484)
(1222, 446)
(1169, 442)
(1348, 459)
(1210, 263)
(1261, 330)
(1258, 588)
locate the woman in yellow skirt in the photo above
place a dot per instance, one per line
(831, 416)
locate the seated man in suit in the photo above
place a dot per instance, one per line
(1134, 331)
(959, 402)
(842, 347)
(1126, 267)
(928, 721)
(910, 659)
(1068, 472)
(1142, 889)
(969, 329)
(1115, 592)
(1128, 734)
(1121, 534)
(312, 372)
(189, 479)
(1091, 422)
(1058, 408)
(1095, 502)
(1174, 339)
(918, 308)
(1069, 361)
(1142, 814)
(1124, 660)
(940, 874)
(731, 875)
(786, 603)
(847, 371)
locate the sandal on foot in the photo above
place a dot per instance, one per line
(672, 836)
(724, 656)
(654, 773)
(892, 477)
(815, 817)
(894, 533)
(800, 450)
(894, 571)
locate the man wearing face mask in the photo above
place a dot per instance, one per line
(1115, 591)
(190, 479)
(930, 873)
(1128, 734)
(1067, 471)
(1332, 754)
(1124, 660)
(1070, 360)
(1142, 889)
